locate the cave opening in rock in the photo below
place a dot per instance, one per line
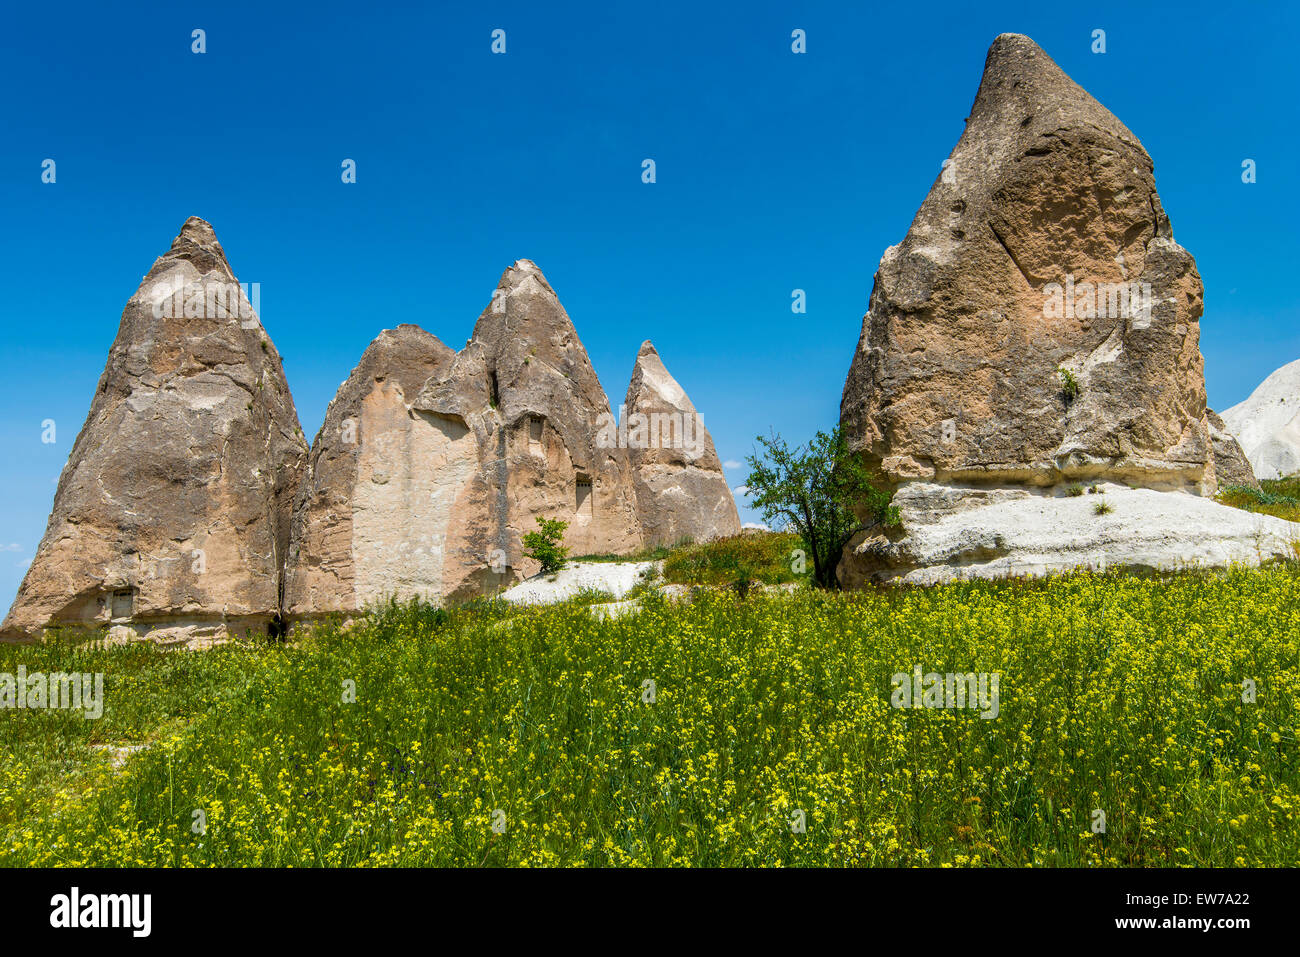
(583, 505)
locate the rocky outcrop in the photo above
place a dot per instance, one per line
(1042, 246)
(955, 533)
(372, 515)
(1038, 326)
(1231, 467)
(681, 492)
(191, 505)
(172, 513)
(1267, 424)
(523, 396)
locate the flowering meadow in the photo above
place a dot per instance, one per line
(1142, 721)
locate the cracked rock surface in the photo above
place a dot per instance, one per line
(172, 511)
(1038, 326)
(955, 377)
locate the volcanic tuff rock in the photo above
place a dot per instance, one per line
(173, 509)
(371, 516)
(524, 392)
(190, 503)
(1045, 198)
(955, 533)
(1038, 324)
(1231, 467)
(1267, 424)
(680, 489)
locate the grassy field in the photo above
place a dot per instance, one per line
(1117, 694)
(1277, 497)
(767, 558)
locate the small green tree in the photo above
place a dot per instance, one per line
(544, 546)
(819, 489)
(1069, 385)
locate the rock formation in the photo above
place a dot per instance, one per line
(680, 489)
(432, 466)
(954, 533)
(191, 505)
(524, 398)
(372, 513)
(1268, 424)
(1231, 466)
(1041, 246)
(1036, 328)
(172, 514)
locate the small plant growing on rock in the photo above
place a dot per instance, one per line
(1095, 490)
(1069, 385)
(545, 545)
(1074, 490)
(1102, 508)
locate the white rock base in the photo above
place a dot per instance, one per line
(950, 533)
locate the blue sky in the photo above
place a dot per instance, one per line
(775, 171)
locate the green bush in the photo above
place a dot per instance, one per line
(544, 546)
(1069, 385)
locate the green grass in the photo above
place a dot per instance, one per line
(1119, 694)
(766, 557)
(1276, 497)
(592, 596)
(645, 555)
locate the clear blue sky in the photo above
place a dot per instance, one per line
(776, 171)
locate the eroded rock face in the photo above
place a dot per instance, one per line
(1046, 205)
(523, 390)
(191, 505)
(1267, 424)
(172, 513)
(680, 489)
(372, 515)
(1037, 327)
(1231, 467)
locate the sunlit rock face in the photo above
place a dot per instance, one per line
(1037, 327)
(1042, 246)
(524, 394)
(372, 514)
(171, 517)
(1267, 424)
(1231, 464)
(191, 506)
(681, 491)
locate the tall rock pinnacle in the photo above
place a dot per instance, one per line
(1039, 326)
(681, 491)
(1038, 323)
(525, 389)
(173, 508)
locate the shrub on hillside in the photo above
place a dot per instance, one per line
(545, 545)
(822, 490)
